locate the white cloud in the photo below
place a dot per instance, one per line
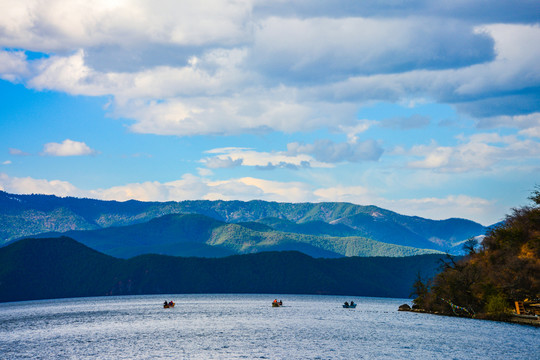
(189, 187)
(477, 152)
(13, 66)
(513, 71)
(58, 26)
(67, 148)
(227, 82)
(352, 194)
(459, 206)
(232, 156)
(204, 172)
(231, 67)
(7, 162)
(28, 185)
(298, 48)
(356, 129)
(253, 188)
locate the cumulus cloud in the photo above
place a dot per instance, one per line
(67, 148)
(233, 67)
(267, 189)
(478, 152)
(28, 185)
(351, 194)
(321, 154)
(13, 66)
(298, 48)
(189, 187)
(460, 206)
(232, 156)
(513, 74)
(58, 26)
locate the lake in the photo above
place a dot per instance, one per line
(248, 327)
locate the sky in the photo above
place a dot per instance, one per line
(427, 108)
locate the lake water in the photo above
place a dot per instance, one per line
(247, 327)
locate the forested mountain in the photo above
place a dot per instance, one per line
(27, 215)
(61, 267)
(202, 236)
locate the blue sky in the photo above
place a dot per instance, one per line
(428, 108)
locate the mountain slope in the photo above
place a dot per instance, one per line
(28, 215)
(61, 267)
(199, 235)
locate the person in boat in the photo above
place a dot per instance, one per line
(280, 302)
(171, 303)
(275, 301)
(352, 303)
(165, 303)
(346, 303)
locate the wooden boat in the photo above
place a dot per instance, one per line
(169, 305)
(277, 304)
(348, 306)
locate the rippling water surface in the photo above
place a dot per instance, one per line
(247, 327)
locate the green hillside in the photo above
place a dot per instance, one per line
(199, 235)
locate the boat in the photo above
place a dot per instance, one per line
(275, 303)
(168, 305)
(349, 306)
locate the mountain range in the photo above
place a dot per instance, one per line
(221, 228)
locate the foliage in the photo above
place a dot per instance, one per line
(497, 307)
(505, 269)
(421, 291)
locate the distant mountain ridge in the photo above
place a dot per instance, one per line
(29, 215)
(61, 267)
(202, 236)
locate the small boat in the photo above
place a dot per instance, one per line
(349, 306)
(168, 305)
(276, 303)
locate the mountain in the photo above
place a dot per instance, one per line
(61, 267)
(29, 215)
(202, 236)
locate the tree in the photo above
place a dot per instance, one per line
(420, 289)
(488, 280)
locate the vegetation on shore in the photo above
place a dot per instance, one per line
(486, 283)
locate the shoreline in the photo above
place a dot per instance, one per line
(529, 320)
